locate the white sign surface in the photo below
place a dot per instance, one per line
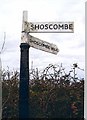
(48, 27)
(42, 45)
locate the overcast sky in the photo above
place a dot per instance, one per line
(71, 45)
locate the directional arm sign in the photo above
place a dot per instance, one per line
(48, 27)
(43, 27)
(42, 45)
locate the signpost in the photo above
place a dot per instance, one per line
(28, 41)
(48, 27)
(43, 45)
(24, 82)
(24, 77)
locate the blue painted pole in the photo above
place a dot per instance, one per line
(24, 82)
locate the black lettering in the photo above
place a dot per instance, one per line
(32, 27)
(66, 26)
(52, 48)
(31, 40)
(61, 26)
(46, 46)
(50, 26)
(55, 26)
(71, 26)
(41, 26)
(36, 26)
(37, 43)
(56, 49)
(46, 26)
(40, 44)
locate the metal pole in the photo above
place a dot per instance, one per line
(24, 73)
(24, 82)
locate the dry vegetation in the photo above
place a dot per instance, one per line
(53, 93)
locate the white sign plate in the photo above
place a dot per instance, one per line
(42, 45)
(48, 27)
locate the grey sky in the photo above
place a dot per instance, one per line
(71, 45)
